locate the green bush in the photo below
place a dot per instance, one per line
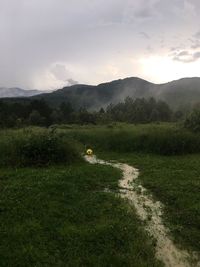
(192, 122)
(36, 148)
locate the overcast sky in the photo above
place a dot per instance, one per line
(46, 44)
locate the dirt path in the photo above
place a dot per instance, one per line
(150, 212)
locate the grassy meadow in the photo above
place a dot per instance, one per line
(57, 210)
(162, 139)
(175, 181)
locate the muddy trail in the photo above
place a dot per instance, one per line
(150, 212)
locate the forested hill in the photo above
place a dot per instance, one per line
(178, 94)
(94, 97)
(183, 92)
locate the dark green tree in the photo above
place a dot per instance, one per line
(66, 110)
(36, 119)
(192, 122)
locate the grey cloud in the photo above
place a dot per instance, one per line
(64, 41)
(195, 42)
(60, 72)
(183, 60)
(72, 82)
(183, 53)
(186, 56)
(143, 13)
(195, 4)
(143, 10)
(175, 6)
(197, 34)
(175, 48)
(195, 45)
(196, 55)
(63, 74)
(149, 49)
(145, 35)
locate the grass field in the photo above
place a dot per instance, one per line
(172, 179)
(61, 216)
(162, 139)
(175, 181)
(56, 211)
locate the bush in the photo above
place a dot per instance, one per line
(192, 122)
(36, 148)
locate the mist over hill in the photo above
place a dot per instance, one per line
(131, 100)
(179, 93)
(17, 92)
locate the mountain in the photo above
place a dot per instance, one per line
(179, 93)
(17, 92)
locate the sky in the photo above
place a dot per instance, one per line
(48, 44)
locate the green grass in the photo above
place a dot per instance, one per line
(162, 139)
(175, 181)
(61, 216)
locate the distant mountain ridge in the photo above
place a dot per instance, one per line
(180, 93)
(183, 92)
(17, 92)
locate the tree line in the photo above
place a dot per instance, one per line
(39, 113)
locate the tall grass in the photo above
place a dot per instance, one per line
(35, 147)
(151, 139)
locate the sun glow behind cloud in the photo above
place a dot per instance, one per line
(161, 69)
(154, 68)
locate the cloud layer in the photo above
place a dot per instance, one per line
(51, 43)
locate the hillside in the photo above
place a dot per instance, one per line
(94, 97)
(183, 92)
(180, 93)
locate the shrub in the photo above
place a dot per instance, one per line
(37, 148)
(192, 122)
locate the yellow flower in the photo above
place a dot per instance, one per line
(89, 152)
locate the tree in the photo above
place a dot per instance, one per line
(178, 115)
(41, 106)
(192, 122)
(85, 117)
(164, 111)
(102, 111)
(154, 116)
(36, 119)
(56, 116)
(66, 111)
